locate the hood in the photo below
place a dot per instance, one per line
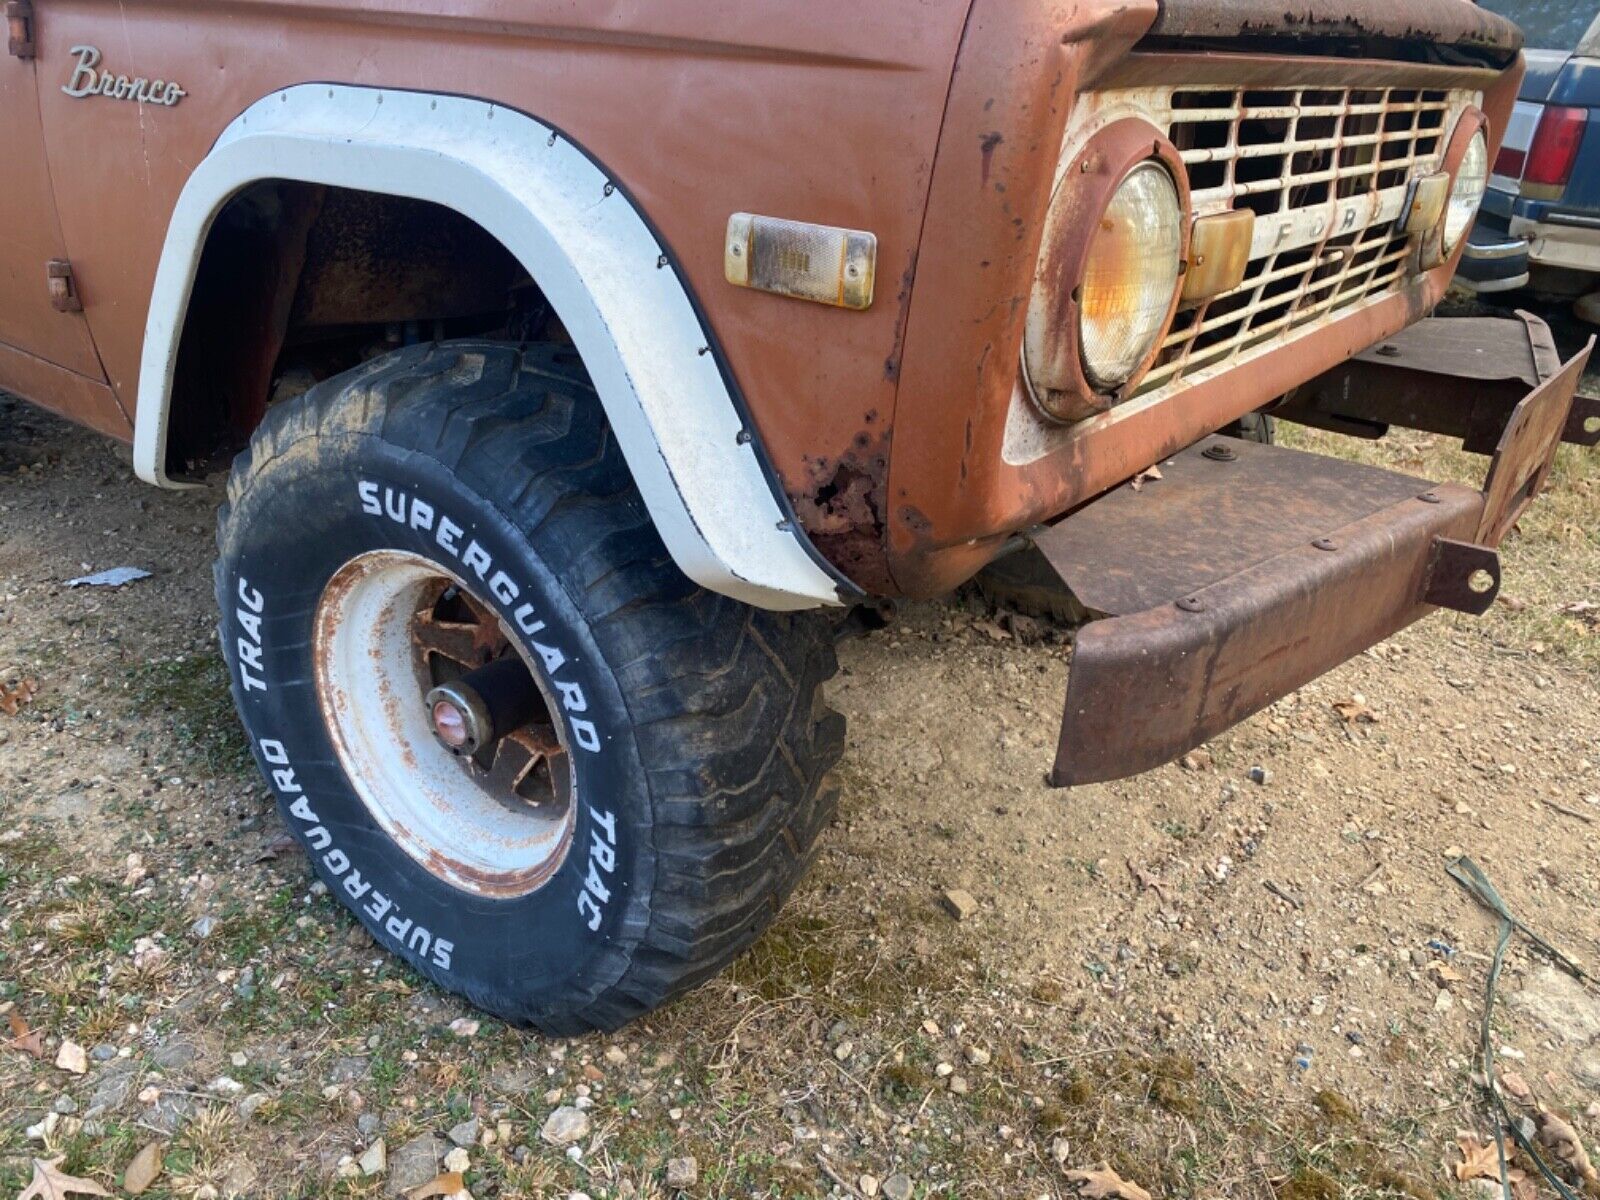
(1447, 31)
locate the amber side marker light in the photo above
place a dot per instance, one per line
(1219, 253)
(820, 263)
(1425, 203)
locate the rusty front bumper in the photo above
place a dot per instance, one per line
(1245, 571)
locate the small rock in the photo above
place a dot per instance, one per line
(615, 1056)
(375, 1159)
(944, 1070)
(457, 1160)
(465, 1134)
(958, 1085)
(977, 1056)
(224, 1085)
(144, 1170)
(1444, 1001)
(897, 1186)
(1260, 775)
(240, 1179)
(174, 1056)
(251, 1105)
(367, 1124)
(867, 1185)
(464, 1027)
(960, 905)
(204, 927)
(73, 1058)
(414, 1164)
(104, 1052)
(1196, 760)
(65, 1105)
(565, 1126)
(1561, 1004)
(348, 1069)
(682, 1172)
(1587, 1070)
(844, 1050)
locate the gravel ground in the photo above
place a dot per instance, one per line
(1246, 975)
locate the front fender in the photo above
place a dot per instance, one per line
(690, 447)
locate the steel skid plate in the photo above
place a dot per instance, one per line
(1244, 571)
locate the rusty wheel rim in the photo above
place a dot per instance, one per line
(390, 628)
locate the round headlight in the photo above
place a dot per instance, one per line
(1131, 275)
(1472, 177)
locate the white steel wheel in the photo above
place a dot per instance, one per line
(404, 653)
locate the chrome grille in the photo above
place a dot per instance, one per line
(1293, 156)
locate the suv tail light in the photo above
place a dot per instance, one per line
(1554, 150)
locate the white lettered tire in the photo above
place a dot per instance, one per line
(469, 496)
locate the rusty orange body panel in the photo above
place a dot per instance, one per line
(938, 127)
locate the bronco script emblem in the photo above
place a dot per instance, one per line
(87, 80)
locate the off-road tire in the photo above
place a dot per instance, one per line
(716, 741)
(1253, 427)
(1025, 582)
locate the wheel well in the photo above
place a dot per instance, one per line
(299, 281)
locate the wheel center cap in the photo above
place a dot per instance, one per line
(450, 724)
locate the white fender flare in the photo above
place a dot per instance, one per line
(589, 250)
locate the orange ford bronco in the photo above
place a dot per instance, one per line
(579, 359)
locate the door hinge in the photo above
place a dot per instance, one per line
(63, 287)
(19, 28)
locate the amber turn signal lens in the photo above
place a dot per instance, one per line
(1219, 253)
(1425, 203)
(809, 262)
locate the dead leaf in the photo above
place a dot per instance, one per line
(12, 699)
(1137, 481)
(1354, 709)
(282, 844)
(992, 631)
(1516, 1087)
(447, 1184)
(1514, 603)
(49, 1183)
(1562, 1140)
(1146, 880)
(144, 1170)
(1443, 971)
(1480, 1160)
(1102, 1183)
(29, 1041)
(1586, 611)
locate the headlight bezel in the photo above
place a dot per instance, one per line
(1053, 365)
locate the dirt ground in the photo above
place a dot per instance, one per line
(1244, 976)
